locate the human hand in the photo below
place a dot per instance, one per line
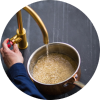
(11, 57)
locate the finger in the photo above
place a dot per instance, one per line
(2, 53)
(15, 48)
(4, 44)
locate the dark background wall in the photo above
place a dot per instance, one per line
(64, 23)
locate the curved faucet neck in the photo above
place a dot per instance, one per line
(39, 22)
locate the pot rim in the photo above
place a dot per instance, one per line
(53, 44)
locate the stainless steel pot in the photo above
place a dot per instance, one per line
(62, 87)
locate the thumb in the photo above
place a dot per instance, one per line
(15, 48)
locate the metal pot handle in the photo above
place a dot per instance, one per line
(79, 84)
(76, 82)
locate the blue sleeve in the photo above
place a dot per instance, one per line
(18, 75)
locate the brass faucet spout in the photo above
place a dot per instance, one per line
(39, 22)
(21, 32)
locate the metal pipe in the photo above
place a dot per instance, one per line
(19, 20)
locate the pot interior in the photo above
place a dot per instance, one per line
(62, 48)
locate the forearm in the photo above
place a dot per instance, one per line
(18, 75)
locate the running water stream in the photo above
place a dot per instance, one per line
(47, 50)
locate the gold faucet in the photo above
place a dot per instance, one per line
(20, 37)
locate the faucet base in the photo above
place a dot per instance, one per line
(23, 44)
(24, 47)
